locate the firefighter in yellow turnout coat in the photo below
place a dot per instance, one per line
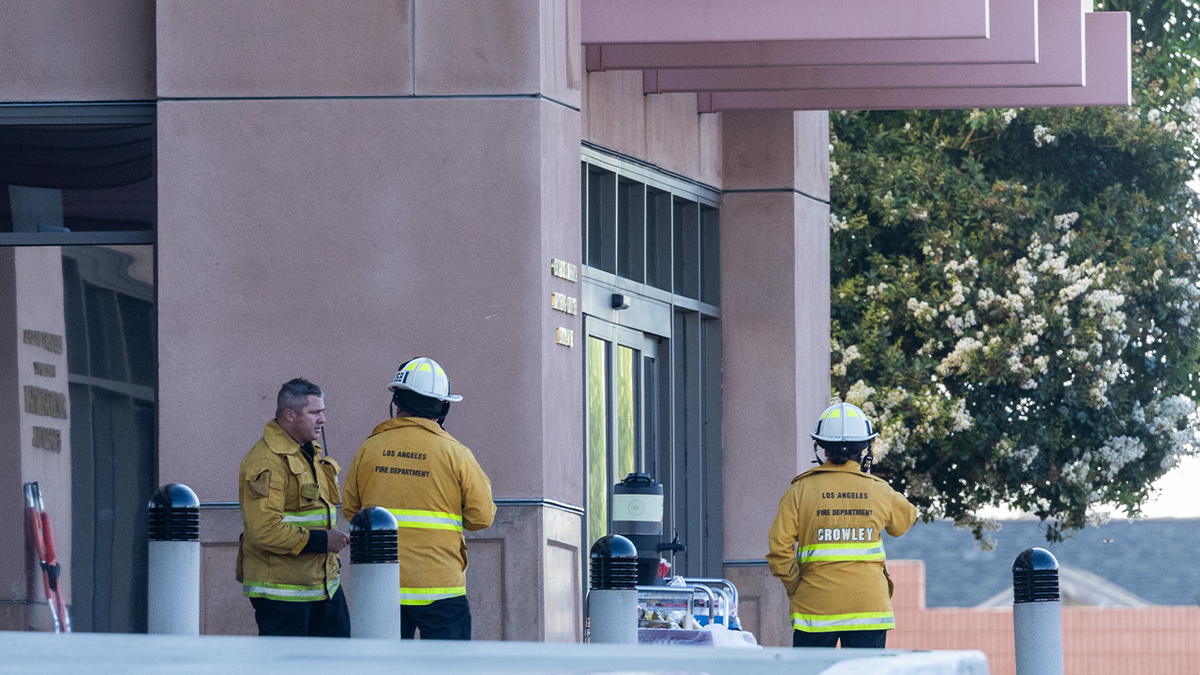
(434, 487)
(826, 544)
(288, 554)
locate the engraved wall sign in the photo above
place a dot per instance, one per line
(47, 439)
(44, 369)
(564, 303)
(564, 336)
(48, 341)
(44, 402)
(564, 270)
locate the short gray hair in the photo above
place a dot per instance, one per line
(293, 395)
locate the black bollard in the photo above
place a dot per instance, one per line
(173, 592)
(612, 598)
(373, 580)
(1037, 614)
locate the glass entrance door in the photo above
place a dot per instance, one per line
(621, 409)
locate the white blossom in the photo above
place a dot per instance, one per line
(1025, 456)
(1076, 472)
(921, 309)
(1041, 136)
(1066, 220)
(956, 361)
(1116, 453)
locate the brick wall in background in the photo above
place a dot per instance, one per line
(1158, 640)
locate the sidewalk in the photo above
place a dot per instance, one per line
(105, 654)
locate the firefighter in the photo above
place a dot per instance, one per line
(288, 555)
(434, 487)
(826, 544)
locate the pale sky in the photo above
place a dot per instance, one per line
(1177, 492)
(1177, 495)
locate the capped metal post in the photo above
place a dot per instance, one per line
(373, 579)
(1037, 614)
(173, 603)
(612, 598)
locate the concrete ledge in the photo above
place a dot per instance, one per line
(50, 654)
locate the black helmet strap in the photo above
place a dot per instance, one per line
(421, 406)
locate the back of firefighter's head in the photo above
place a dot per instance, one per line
(843, 432)
(422, 389)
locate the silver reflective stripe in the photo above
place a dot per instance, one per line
(284, 592)
(841, 552)
(428, 519)
(868, 621)
(425, 598)
(325, 516)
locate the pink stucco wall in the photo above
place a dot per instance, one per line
(233, 48)
(283, 252)
(661, 129)
(75, 50)
(775, 312)
(427, 223)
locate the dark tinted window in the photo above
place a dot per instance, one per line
(77, 178)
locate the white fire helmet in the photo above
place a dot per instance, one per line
(425, 377)
(843, 423)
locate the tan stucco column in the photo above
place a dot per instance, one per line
(356, 184)
(775, 333)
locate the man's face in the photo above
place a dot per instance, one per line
(306, 424)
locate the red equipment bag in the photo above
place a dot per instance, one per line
(43, 543)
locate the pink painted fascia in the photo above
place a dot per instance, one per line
(1061, 65)
(1108, 83)
(664, 21)
(1014, 39)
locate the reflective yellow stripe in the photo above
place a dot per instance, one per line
(425, 596)
(831, 552)
(832, 412)
(427, 520)
(289, 592)
(425, 368)
(828, 623)
(311, 518)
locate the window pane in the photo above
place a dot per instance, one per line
(687, 249)
(583, 201)
(77, 178)
(597, 451)
(650, 417)
(710, 256)
(83, 322)
(602, 220)
(627, 450)
(658, 239)
(631, 230)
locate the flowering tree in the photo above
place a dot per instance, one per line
(1016, 302)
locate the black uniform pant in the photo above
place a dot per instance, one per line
(446, 619)
(851, 639)
(322, 618)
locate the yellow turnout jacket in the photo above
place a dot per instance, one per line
(434, 487)
(826, 546)
(281, 502)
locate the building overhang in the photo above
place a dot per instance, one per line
(1013, 39)
(1080, 57)
(667, 21)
